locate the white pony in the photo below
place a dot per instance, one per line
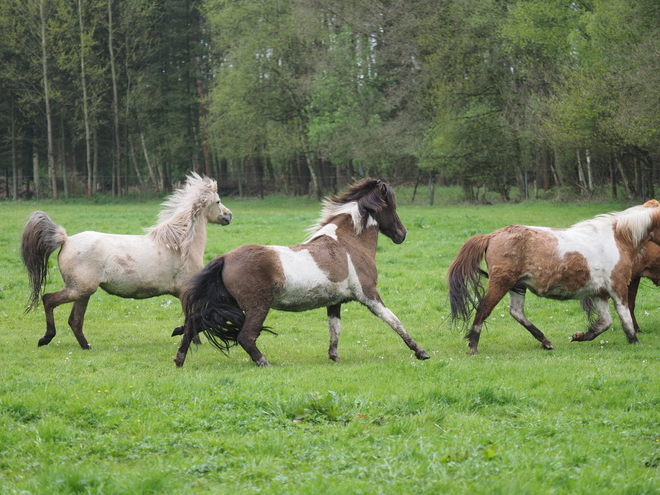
(131, 266)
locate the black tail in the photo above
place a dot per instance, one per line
(41, 237)
(210, 308)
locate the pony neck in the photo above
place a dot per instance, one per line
(195, 255)
(367, 238)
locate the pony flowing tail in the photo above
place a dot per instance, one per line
(466, 290)
(210, 308)
(41, 237)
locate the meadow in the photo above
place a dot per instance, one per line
(121, 419)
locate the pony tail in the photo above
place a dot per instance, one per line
(466, 290)
(40, 238)
(210, 308)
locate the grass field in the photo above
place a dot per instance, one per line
(121, 419)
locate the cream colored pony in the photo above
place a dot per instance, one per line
(132, 266)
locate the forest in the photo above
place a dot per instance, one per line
(299, 97)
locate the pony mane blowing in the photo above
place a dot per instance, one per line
(177, 222)
(361, 198)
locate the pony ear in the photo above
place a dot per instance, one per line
(383, 188)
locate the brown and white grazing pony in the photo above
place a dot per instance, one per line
(230, 298)
(131, 266)
(592, 260)
(647, 264)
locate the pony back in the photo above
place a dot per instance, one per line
(466, 289)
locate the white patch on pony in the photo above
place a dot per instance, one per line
(306, 285)
(593, 240)
(329, 229)
(331, 210)
(371, 222)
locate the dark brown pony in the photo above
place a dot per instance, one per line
(647, 264)
(231, 297)
(591, 260)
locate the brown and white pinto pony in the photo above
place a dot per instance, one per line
(647, 264)
(231, 297)
(131, 266)
(592, 260)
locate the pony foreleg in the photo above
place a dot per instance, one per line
(602, 323)
(185, 344)
(632, 299)
(179, 331)
(626, 320)
(334, 326)
(385, 314)
(517, 311)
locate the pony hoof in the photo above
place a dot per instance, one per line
(473, 352)
(335, 359)
(548, 346)
(422, 355)
(262, 363)
(177, 331)
(577, 337)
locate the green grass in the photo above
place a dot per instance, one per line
(121, 419)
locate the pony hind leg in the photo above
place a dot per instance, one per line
(493, 296)
(517, 311)
(51, 301)
(247, 337)
(603, 320)
(379, 309)
(334, 327)
(76, 319)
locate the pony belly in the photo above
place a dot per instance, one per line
(304, 298)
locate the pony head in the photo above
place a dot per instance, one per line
(197, 201)
(369, 202)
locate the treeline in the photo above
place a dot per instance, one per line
(301, 96)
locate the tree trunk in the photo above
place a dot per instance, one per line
(590, 173)
(135, 162)
(49, 116)
(65, 179)
(613, 191)
(115, 102)
(581, 180)
(14, 165)
(95, 178)
(83, 78)
(35, 169)
(624, 179)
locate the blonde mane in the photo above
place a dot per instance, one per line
(178, 220)
(632, 225)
